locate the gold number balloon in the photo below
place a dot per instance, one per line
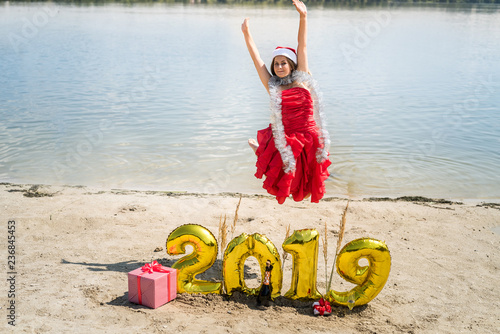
(238, 250)
(303, 245)
(203, 257)
(370, 279)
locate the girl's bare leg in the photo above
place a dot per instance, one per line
(253, 144)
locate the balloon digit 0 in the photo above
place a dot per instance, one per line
(238, 250)
(370, 279)
(203, 257)
(303, 245)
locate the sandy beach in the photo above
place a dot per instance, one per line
(75, 245)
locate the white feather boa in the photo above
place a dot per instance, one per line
(278, 129)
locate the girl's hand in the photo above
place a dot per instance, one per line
(245, 25)
(301, 8)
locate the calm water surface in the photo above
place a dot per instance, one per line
(164, 97)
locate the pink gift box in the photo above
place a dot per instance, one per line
(156, 288)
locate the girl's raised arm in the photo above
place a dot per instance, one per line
(302, 64)
(261, 68)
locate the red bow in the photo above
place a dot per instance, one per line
(322, 307)
(153, 266)
(148, 268)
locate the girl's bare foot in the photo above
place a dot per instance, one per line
(253, 144)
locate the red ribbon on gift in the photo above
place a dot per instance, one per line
(149, 268)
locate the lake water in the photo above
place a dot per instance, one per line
(164, 97)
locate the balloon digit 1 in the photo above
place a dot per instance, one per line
(238, 250)
(203, 257)
(303, 245)
(370, 279)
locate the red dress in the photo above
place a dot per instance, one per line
(302, 136)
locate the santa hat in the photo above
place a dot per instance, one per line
(287, 52)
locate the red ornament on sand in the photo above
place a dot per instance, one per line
(322, 307)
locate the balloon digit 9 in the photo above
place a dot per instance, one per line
(238, 250)
(370, 279)
(203, 257)
(303, 245)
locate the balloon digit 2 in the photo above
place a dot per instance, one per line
(203, 257)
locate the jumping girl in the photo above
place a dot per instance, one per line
(293, 151)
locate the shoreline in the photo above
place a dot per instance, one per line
(33, 192)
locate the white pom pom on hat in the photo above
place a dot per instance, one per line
(287, 52)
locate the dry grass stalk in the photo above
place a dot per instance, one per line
(285, 254)
(325, 254)
(342, 230)
(222, 239)
(339, 243)
(233, 227)
(223, 235)
(219, 232)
